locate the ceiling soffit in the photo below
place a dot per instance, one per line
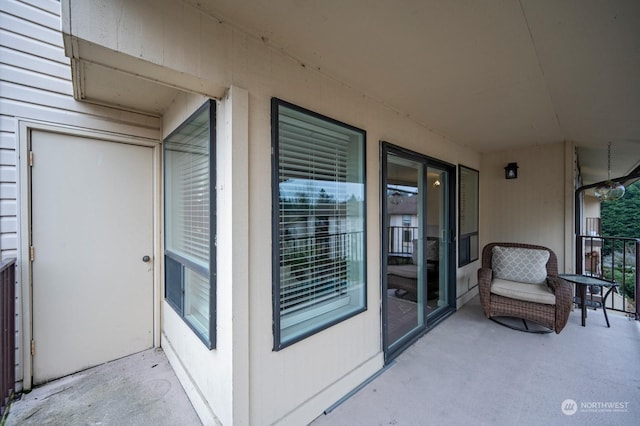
(490, 75)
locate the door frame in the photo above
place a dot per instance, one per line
(24, 277)
(440, 314)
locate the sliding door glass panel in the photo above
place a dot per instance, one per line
(405, 266)
(438, 238)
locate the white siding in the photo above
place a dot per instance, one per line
(35, 84)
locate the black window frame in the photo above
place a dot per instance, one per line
(174, 295)
(279, 344)
(465, 254)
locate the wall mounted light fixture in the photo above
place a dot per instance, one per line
(511, 171)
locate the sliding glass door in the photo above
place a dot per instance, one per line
(405, 263)
(416, 258)
(439, 238)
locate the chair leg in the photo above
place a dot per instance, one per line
(525, 329)
(604, 305)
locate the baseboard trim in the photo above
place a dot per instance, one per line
(200, 404)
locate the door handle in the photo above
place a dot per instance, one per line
(146, 258)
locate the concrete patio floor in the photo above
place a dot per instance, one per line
(470, 370)
(138, 390)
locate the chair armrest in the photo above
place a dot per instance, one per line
(563, 291)
(485, 276)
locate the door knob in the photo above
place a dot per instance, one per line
(146, 258)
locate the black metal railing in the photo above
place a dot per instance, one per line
(613, 258)
(401, 240)
(314, 269)
(8, 332)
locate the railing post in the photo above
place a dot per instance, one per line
(7, 332)
(610, 243)
(637, 274)
(579, 255)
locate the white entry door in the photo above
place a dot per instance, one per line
(92, 239)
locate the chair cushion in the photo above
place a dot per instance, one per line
(537, 293)
(519, 264)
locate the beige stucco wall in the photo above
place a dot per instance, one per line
(243, 380)
(208, 375)
(530, 209)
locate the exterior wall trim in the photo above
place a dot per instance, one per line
(197, 399)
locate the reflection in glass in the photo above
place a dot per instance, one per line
(320, 223)
(437, 239)
(405, 252)
(468, 249)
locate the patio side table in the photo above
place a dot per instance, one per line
(584, 281)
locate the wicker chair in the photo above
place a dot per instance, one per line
(552, 317)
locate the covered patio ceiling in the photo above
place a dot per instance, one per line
(489, 74)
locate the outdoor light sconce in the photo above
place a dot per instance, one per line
(511, 171)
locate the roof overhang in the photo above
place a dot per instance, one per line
(489, 75)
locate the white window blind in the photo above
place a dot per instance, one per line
(188, 223)
(313, 163)
(188, 188)
(196, 303)
(320, 224)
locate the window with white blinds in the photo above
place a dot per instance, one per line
(188, 220)
(319, 224)
(187, 186)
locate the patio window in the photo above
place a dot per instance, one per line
(189, 222)
(468, 245)
(318, 222)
